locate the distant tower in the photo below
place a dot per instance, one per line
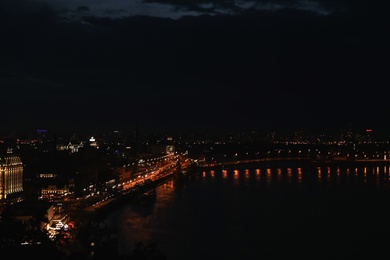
(368, 135)
(136, 137)
(11, 175)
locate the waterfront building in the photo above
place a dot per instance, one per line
(52, 192)
(11, 175)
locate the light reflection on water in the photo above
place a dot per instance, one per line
(252, 213)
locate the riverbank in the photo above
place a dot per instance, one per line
(91, 230)
(294, 162)
(90, 236)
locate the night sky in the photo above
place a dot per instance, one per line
(186, 66)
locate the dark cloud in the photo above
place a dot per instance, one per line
(83, 8)
(286, 68)
(323, 7)
(117, 9)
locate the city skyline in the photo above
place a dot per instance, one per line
(342, 136)
(72, 66)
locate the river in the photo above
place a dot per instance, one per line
(313, 212)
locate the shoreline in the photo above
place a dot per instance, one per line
(90, 220)
(273, 162)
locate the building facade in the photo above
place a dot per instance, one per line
(52, 192)
(11, 175)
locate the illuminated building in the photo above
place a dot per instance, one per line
(52, 192)
(11, 175)
(170, 149)
(92, 142)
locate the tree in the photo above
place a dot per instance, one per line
(146, 252)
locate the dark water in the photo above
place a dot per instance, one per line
(265, 213)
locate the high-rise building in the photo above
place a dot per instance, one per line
(11, 175)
